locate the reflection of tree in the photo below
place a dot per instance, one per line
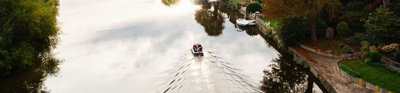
(31, 80)
(232, 14)
(285, 77)
(170, 2)
(212, 21)
(252, 31)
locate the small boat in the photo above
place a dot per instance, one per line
(197, 50)
(241, 22)
(251, 22)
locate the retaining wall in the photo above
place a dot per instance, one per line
(323, 53)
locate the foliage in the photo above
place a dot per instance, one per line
(390, 48)
(364, 56)
(349, 71)
(253, 7)
(27, 29)
(353, 40)
(343, 49)
(352, 14)
(397, 55)
(368, 61)
(233, 4)
(343, 29)
(293, 31)
(321, 28)
(211, 20)
(170, 3)
(382, 27)
(375, 56)
(365, 46)
(376, 75)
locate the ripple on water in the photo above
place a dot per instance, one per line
(206, 74)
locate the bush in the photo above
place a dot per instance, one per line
(382, 27)
(367, 61)
(343, 49)
(397, 55)
(321, 28)
(343, 29)
(349, 71)
(293, 30)
(253, 7)
(364, 56)
(390, 48)
(354, 40)
(375, 56)
(365, 46)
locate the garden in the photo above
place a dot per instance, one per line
(374, 74)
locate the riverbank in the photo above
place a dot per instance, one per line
(323, 67)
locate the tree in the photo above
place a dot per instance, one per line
(253, 7)
(170, 3)
(28, 30)
(285, 9)
(212, 21)
(382, 27)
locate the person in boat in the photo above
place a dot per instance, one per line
(198, 49)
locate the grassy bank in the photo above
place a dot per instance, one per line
(376, 75)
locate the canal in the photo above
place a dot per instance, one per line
(143, 46)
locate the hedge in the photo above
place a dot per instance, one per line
(349, 71)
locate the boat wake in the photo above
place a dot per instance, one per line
(206, 74)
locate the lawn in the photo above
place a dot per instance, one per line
(374, 74)
(272, 23)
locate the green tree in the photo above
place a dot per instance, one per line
(382, 26)
(28, 29)
(284, 9)
(253, 7)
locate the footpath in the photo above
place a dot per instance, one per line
(325, 69)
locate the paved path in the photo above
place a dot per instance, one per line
(327, 66)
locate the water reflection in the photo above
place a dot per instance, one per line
(170, 3)
(207, 74)
(211, 19)
(31, 80)
(284, 77)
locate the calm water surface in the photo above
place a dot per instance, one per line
(143, 46)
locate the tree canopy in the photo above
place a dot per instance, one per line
(28, 29)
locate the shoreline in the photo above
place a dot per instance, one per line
(323, 67)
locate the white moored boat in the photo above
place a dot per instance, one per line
(241, 22)
(251, 22)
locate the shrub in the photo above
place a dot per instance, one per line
(382, 26)
(390, 48)
(343, 49)
(253, 7)
(397, 55)
(293, 30)
(375, 56)
(365, 46)
(367, 61)
(343, 29)
(364, 56)
(349, 71)
(354, 40)
(321, 28)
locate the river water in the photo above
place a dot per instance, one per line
(143, 46)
